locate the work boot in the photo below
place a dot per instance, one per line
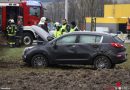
(11, 45)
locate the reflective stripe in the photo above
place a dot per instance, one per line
(11, 42)
(12, 30)
(11, 34)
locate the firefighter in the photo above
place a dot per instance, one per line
(44, 24)
(11, 30)
(65, 27)
(73, 27)
(57, 32)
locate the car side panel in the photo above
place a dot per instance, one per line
(64, 52)
(85, 52)
(39, 50)
(112, 52)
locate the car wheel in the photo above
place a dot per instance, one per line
(101, 62)
(27, 39)
(39, 61)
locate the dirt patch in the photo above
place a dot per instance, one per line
(61, 78)
(9, 64)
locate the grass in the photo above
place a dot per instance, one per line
(127, 63)
(11, 53)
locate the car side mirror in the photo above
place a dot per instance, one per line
(49, 38)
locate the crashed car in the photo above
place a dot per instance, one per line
(78, 48)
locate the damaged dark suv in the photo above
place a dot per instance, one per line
(78, 48)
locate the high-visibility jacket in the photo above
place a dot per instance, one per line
(57, 34)
(74, 29)
(63, 29)
(12, 29)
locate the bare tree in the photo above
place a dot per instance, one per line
(55, 11)
(78, 10)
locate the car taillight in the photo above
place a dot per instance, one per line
(117, 45)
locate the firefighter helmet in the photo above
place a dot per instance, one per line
(57, 24)
(11, 20)
(42, 21)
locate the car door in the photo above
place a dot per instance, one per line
(65, 48)
(87, 47)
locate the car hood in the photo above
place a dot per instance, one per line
(41, 32)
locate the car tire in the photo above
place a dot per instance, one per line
(101, 62)
(27, 39)
(39, 61)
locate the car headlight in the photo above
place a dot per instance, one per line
(27, 49)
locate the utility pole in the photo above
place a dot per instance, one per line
(92, 15)
(66, 10)
(113, 8)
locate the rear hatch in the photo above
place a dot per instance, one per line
(113, 44)
(118, 40)
(117, 45)
(119, 48)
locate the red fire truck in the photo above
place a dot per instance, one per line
(31, 11)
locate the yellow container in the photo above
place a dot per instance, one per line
(107, 20)
(117, 10)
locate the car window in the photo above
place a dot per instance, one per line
(67, 40)
(35, 11)
(107, 39)
(89, 39)
(98, 39)
(117, 39)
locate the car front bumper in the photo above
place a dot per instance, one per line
(24, 58)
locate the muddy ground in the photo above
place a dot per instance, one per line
(3, 40)
(16, 75)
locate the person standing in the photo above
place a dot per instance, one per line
(44, 24)
(73, 27)
(19, 33)
(65, 27)
(11, 31)
(57, 32)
